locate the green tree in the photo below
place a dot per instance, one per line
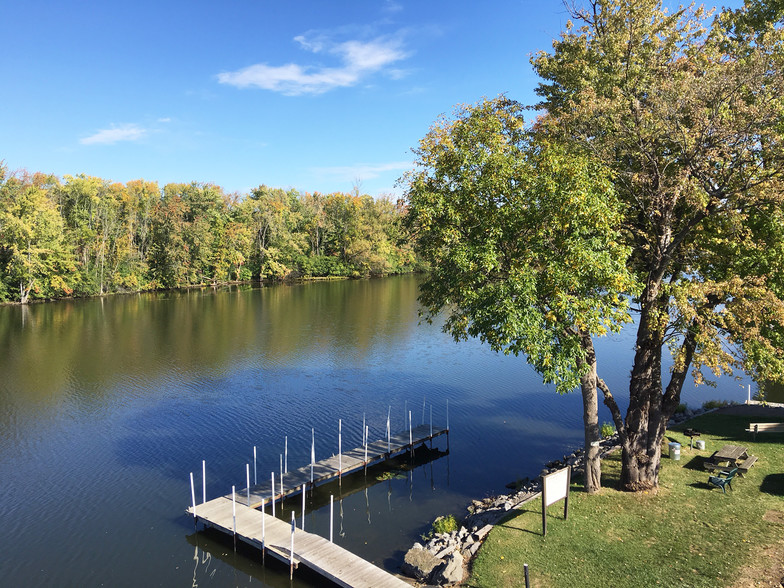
(521, 235)
(34, 259)
(689, 115)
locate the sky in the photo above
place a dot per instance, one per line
(314, 95)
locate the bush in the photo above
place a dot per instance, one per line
(607, 430)
(445, 524)
(681, 408)
(714, 404)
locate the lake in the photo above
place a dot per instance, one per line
(107, 405)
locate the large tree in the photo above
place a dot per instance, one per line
(688, 112)
(525, 252)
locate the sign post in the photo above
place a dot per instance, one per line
(555, 487)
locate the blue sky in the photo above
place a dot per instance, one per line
(312, 95)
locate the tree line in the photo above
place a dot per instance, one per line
(84, 236)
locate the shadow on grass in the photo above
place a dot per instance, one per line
(773, 484)
(509, 522)
(706, 486)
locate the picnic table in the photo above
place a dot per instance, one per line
(731, 455)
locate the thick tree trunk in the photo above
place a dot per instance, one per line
(645, 420)
(588, 385)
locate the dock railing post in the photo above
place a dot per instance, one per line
(410, 432)
(303, 507)
(255, 479)
(340, 448)
(193, 499)
(331, 515)
(272, 498)
(203, 481)
(247, 479)
(389, 433)
(234, 515)
(281, 480)
(286, 455)
(291, 547)
(367, 431)
(263, 532)
(312, 453)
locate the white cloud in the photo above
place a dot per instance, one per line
(115, 134)
(363, 171)
(358, 59)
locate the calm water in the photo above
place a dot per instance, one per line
(106, 406)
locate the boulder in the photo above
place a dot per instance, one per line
(450, 572)
(419, 564)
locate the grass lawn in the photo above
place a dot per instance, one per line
(686, 534)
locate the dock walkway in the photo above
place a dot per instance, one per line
(328, 559)
(336, 466)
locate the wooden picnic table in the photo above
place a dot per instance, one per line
(731, 454)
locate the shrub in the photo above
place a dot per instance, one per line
(715, 404)
(681, 408)
(445, 524)
(607, 430)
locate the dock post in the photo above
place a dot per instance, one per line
(431, 422)
(263, 532)
(193, 499)
(410, 436)
(272, 498)
(281, 480)
(303, 507)
(340, 448)
(247, 479)
(203, 481)
(234, 515)
(312, 452)
(447, 415)
(363, 428)
(255, 480)
(366, 441)
(286, 454)
(331, 515)
(389, 433)
(291, 547)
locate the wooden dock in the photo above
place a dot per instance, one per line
(237, 514)
(328, 559)
(338, 465)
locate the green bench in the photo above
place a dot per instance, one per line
(722, 483)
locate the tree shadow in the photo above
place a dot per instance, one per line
(696, 463)
(773, 484)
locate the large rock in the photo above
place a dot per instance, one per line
(419, 563)
(450, 572)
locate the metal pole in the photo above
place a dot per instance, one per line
(272, 499)
(424, 404)
(203, 481)
(303, 507)
(247, 479)
(193, 499)
(291, 547)
(447, 414)
(255, 481)
(281, 478)
(331, 515)
(431, 421)
(263, 531)
(527, 582)
(234, 515)
(286, 451)
(340, 447)
(410, 432)
(389, 434)
(312, 453)
(363, 429)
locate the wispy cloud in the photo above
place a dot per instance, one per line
(357, 60)
(115, 134)
(363, 171)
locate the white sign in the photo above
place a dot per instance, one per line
(555, 487)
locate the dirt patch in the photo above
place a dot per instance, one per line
(767, 570)
(774, 516)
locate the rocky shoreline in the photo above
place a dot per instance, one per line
(444, 558)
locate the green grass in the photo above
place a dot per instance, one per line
(686, 534)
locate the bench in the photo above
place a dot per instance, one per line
(746, 465)
(765, 428)
(722, 483)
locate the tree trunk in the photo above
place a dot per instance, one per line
(588, 383)
(645, 420)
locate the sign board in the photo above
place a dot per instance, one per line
(555, 487)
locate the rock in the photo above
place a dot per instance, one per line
(445, 551)
(419, 564)
(450, 572)
(481, 533)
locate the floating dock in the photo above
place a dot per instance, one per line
(236, 514)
